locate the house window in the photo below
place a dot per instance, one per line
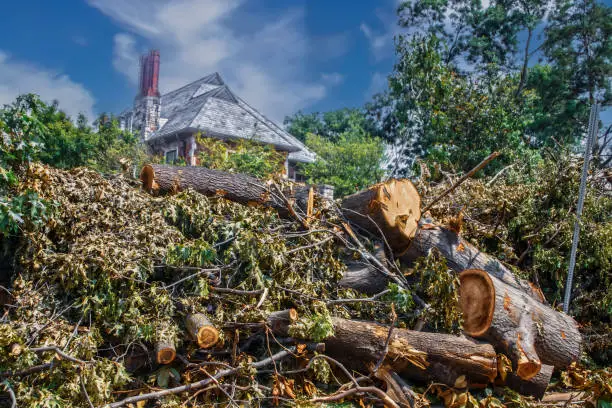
(171, 156)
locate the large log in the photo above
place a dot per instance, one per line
(391, 208)
(456, 361)
(528, 332)
(241, 188)
(534, 387)
(461, 255)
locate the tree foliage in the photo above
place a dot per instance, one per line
(241, 156)
(463, 82)
(351, 162)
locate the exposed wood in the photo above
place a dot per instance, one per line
(397, 388)
(461, 255)
(391, 208)
(165, 352)
(534, 387)
(201, 330)
(527, 331)
(456, 361)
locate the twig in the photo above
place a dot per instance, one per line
(386, 349)
(358, 300)
(461, 180)
(262, 298)
(291, 251)
(200, 271)
(60, 353)
(84, 390)
(196, 385)
(370, 390)
(11, 393)
(237, 291)
(499, 173)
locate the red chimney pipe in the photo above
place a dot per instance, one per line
(149, 74)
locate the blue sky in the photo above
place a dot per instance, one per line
(279, 55)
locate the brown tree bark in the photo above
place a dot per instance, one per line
(528, 332)
(456, 361)
(534, 387)
(201, 330)
(165, 352)
(391, 208)
(241, 188)
(461, 255)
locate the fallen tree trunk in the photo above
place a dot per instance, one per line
(241, 188)
(461, 255)
(452, 360)
(534, 387)
(391, 208)
(529, 332)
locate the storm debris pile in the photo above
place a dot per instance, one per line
(186, 298)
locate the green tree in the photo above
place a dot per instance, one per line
(64, 144)
(447, 118)
(329, 125)
(351, 162)
(241, 156)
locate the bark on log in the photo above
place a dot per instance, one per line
(456, 361)
(535, 387)
(241, 188)
(392, 207)
(461, 255)
(529, 332)
(165, 352)
(201, 330)
(280, 321)
(364, 277)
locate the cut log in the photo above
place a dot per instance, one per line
(461, 255)
(452, 360)
(280, 321)
(534, 387)
(201, 330)
(527, 331)
(241, 188)
(391, 208)
(165, 352)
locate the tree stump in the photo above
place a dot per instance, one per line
(392, 208)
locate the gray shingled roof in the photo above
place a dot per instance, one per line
(209, 106)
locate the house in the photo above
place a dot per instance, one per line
(169, 123)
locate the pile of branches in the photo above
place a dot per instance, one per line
(202, 288)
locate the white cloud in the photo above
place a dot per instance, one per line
(333, 78)
(263, 58)
(18, 77)
(125, 56)
(379, 42)
(378, 84)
